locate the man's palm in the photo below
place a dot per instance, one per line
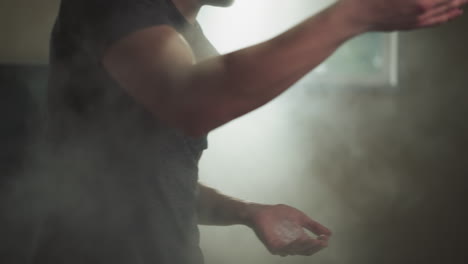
(282, 229)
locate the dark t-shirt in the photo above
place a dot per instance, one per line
(112, 184)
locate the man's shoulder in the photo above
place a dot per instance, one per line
(105, 10)
(101, 23)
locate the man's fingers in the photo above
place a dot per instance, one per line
(297, 246)
(311, 246)
(440, 3)
(434, 21)
(323, 237)
(304, 246)
(437, 12)
(316, 228)
(311, 251)
(443, 9)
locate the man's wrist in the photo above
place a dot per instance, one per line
(348, 18)
(248, 213)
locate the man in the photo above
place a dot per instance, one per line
(134, 89)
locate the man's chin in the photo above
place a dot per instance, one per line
(219, 3)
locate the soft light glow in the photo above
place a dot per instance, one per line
(248, 22)
(370, 60)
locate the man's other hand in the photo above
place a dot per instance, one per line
(384, 15)
(282, 229)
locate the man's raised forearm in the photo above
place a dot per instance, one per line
(226, 87)
(156, 65)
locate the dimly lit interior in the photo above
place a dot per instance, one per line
(384, 168)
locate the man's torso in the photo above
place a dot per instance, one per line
(112, 183)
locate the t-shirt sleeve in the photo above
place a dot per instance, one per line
(101, 23)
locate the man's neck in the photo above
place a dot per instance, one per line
(188, 8)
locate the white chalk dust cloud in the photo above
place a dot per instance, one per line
(308, 150)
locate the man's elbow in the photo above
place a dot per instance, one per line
(195, 129)
(192, 120)
(201, 122)
(189, 124)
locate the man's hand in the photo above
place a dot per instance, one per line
(385, 15)
(281, 229)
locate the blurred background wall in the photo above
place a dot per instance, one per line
(385, 170)
(25, 26)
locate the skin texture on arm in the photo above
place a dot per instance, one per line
(215, 208)
(281, 228)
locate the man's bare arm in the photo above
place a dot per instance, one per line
(279, 227)
(215, 208)
(156, 66)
